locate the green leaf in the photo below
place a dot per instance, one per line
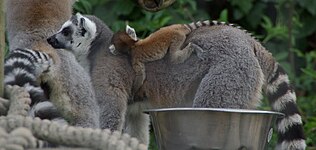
(165, 20)
(192, 4)
(278, 31)
(78, 7)
(281, 55)
(307, 28)
(309, 72)
(238, 14)
(125, 7)
(310, 5)
(255, 15)
(223, 16)
(83, 6)
(243, 5)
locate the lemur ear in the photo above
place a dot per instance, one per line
(80, 19)
(81, 23)
(131, 32)
(78, 15)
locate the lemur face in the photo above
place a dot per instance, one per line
(75, 34)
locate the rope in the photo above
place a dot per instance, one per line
(4, 104)
(18, 139)
(19, 100)
(53, 132)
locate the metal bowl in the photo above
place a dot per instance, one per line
(212, 129)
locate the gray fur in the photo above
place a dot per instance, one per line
(174, 85)
(230, 73)
(29, 23)
(24, 37)
(74, 98)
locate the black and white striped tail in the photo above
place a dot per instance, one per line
(283, 99)
(21, 68)
(194, 25)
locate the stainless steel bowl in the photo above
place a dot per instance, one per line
(212, 129)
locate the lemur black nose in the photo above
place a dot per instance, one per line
(50, 40)
(53, 42)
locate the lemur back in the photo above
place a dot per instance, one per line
(156, 46)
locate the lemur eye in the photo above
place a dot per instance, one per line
(66, 31)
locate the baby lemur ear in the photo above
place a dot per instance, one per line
(131, 32)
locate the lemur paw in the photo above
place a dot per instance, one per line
(198, 50)
(113, 50)
(47, 110)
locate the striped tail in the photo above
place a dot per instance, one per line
(283, 99)
(19, 69)
(194, 25)
(22, 67)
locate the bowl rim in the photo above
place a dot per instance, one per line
(227, 110)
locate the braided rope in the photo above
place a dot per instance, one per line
(19, 100)
(18, 139)
(4, 105)
(53, 132)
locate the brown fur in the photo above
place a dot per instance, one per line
(32, 24)
(29, 24)
(153, 48)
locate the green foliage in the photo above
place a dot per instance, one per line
(286, 27)
(277, 31)
(117, 13)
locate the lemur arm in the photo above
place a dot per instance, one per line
(72, 91)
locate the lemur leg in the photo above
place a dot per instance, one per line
(222, 87)
(139, 69)
(178, 55)
(137, 123)
(198, 50)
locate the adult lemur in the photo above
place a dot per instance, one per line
(29, 23)
(231, 74)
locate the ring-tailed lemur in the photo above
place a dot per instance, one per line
(79, 35)
(234, 70)
(66, 83)
(156, 46)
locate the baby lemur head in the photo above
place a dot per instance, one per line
(123, 41)
(75, 34)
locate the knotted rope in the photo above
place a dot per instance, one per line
(51, 131)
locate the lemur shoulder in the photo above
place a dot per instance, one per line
(234, 70)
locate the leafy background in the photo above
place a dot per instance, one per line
(286, 27)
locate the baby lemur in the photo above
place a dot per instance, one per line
(154, 47)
